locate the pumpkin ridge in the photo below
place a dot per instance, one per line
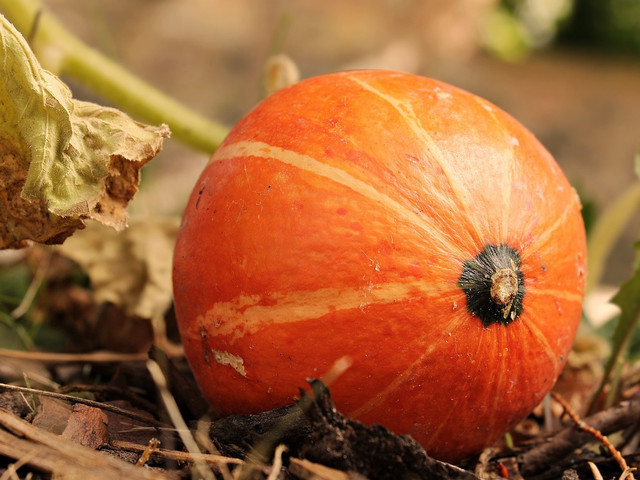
(501, 368)
(246, 310)
(309, 164)
(543, 341)
(391, 387)
(444, 420)
(506, 199)
(544, 235)
(574, 297)
(381, 396)
(438, 155)
(507, 184)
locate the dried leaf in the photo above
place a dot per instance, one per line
(61, 160)
(131, 269)
(583, 371)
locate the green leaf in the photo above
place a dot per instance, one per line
(62, 160)
(628, 299)
(634, 346)
(9, 336)
(14, 282)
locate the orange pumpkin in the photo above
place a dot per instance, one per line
(394, 219)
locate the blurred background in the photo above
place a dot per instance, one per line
(567, 69)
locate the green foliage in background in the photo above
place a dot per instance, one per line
(606, 24)
(517, 27)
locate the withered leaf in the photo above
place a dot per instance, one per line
(62, 160)
(131, 269)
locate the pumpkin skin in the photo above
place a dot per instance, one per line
(337, 219)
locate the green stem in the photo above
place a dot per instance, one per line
(615, 361)
(61, 51)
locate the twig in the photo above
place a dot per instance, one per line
(110, 390)
(177, 420)
(104, 406)
(627, 474)
(34, 286)
(152, 447)
(178, 456)
(340, 366)
(276, 465)
(592, 431)
(63, 457)
(96, 357)
(12, 469)
(595, 471)
(567, 440)
(314, 471)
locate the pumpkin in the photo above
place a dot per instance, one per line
(399, 221)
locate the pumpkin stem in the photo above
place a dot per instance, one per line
(494, 285)
(504, 288)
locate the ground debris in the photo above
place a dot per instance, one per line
(558, 446)
(238, 435)
(63, 458)
(310, 439)
(374, 451)
(316, 432)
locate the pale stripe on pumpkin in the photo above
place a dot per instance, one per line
(544, 235)
(441, 157)
(245, 311)
(307, 163)
(544, 343)
(505, 186)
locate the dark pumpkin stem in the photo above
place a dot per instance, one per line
(494, 285)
